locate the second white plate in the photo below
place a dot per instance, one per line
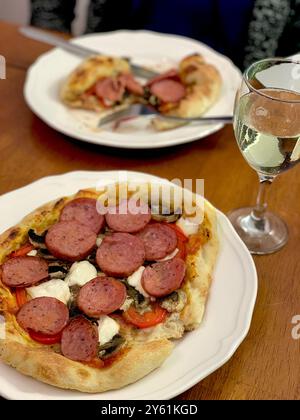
(159, 51)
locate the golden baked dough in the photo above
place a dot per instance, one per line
(86, 75)
(203, 83)
(46, 364)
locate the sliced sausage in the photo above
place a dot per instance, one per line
(24, 271)
(70, 241)
(123, 218)
(163, 278)
(110, 89)
(84, 211)
(132, 85)
(168, 90)
(101, 296)
(79, 340)
(120, 254)
(44, 315)
(170, 74)
(159, 241)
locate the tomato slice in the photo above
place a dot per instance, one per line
(22, 251)
(147, 319)
(21, 296)
(182, 239)
(45, 339)
(181, 245)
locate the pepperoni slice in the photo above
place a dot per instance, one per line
(127, 218)
(45, 315)
(132, 85)
(168, 90)
(163, 278)
(159, 241)
(24, 271)
(70, 241)
(101, 296)
(110, 89)
(79, 340)
(84, 211)
(120, 254)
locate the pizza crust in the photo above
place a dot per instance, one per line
(204, 85)
(86, 75)
(146, 349)
(54, 369)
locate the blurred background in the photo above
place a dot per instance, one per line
(244, 30)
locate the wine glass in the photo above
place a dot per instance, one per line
(267, 130)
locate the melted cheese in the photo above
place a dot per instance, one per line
(32, 253)
(187, 226)
(107, 329)
(54, 288)
(81, 273)
(100, 239)
(135, 281)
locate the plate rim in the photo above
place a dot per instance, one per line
(234, 338)
(104, 141)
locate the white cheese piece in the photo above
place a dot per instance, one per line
(99, 240)
(126, 305)
(188, 227)
(135, 281)
(32, 253)
(80, 273)
(107, 329)
(54, 288)
(170, 256)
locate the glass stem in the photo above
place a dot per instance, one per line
(259, 211)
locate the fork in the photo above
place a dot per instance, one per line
(136, 110)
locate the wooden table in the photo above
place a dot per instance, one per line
(266, 366)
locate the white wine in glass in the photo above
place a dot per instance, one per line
(267, 129)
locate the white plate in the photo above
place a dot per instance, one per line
(199, 353)
(147, 48)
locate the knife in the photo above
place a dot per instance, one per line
(43, 36)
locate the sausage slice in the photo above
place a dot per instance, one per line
(120, 254)
(84, 211)
(70, 241)
(45, 315)
(79, 340)
(24, 271)
(163, 278)
(101, 296)
(159, 241)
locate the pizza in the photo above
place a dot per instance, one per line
(106, 84)
(186, 92)
(94, 301)
(101, 83)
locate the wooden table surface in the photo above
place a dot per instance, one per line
(266, 366)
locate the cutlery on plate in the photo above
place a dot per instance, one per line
(43, 36)
(144, 110)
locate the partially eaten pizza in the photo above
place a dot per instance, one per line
(101, 84)
(86, 295)
(107, 84)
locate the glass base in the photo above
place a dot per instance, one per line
(261, 236)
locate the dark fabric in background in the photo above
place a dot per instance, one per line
(222, 24)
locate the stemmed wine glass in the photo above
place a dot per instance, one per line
(267, 130)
